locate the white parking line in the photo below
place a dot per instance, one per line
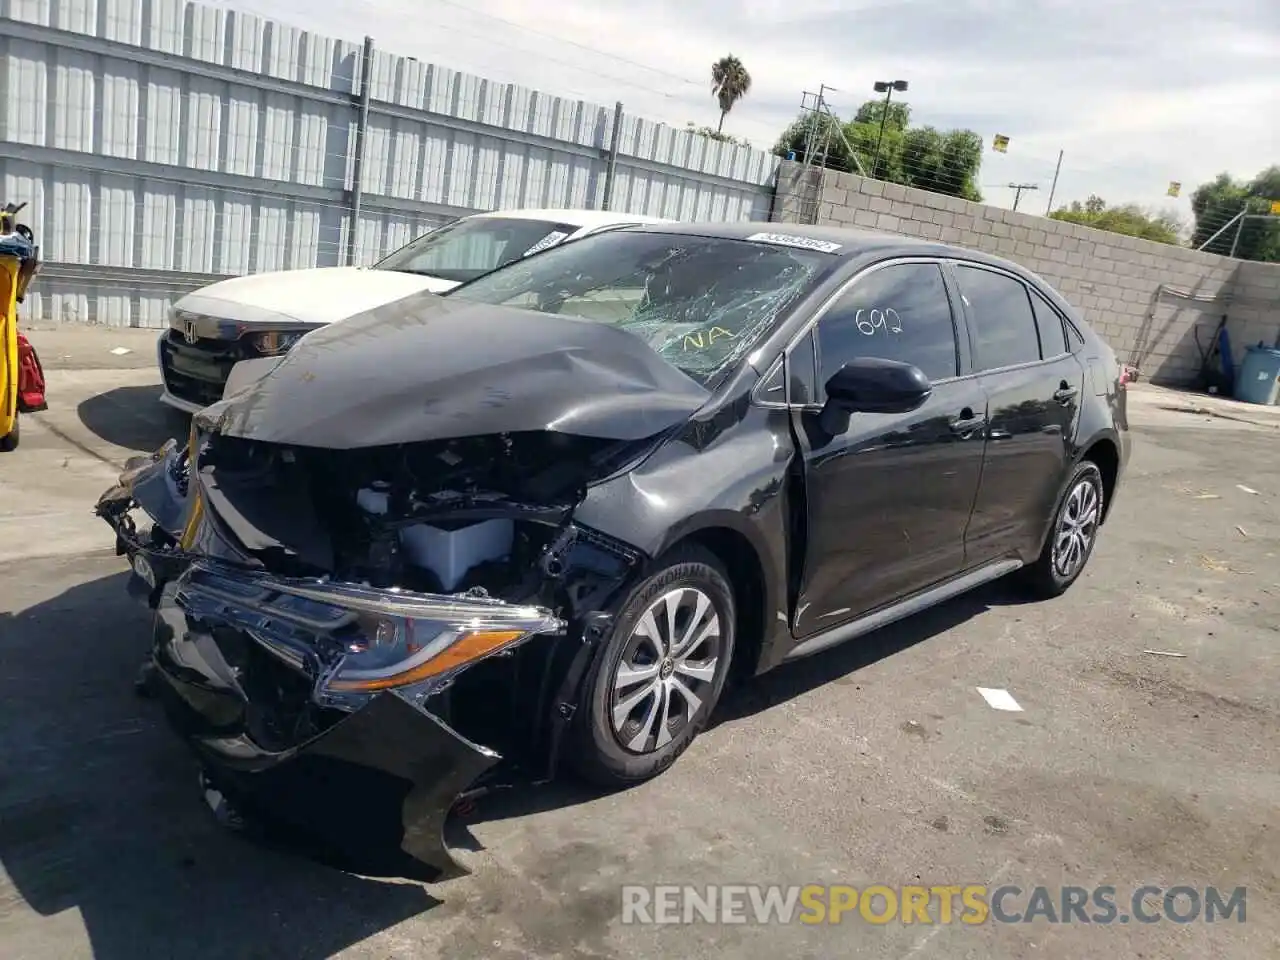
(999, 699)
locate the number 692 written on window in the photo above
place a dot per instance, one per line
(869, 321)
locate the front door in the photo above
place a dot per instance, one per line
(888, 500)
(1033, 385)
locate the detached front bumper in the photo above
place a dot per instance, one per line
(373, 786)
(155, 486)
(245, 666)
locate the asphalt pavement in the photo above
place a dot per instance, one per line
(876, 763)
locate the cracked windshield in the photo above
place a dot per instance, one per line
(699, 302)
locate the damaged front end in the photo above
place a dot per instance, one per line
(351, 639)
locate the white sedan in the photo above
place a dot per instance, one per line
(264, 314)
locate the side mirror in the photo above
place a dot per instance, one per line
(872, 385)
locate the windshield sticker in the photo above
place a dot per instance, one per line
(788, 240)
(550, 240)
(869, 321)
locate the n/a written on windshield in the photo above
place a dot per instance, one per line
(701, 339)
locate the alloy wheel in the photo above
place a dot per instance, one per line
(1077, 527)
(666, 670)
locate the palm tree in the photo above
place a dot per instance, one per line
(729, 83)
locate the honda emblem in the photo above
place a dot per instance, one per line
(189, 330)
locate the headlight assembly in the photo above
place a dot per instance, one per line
(376, 640)
(402, 652)
(273, 342)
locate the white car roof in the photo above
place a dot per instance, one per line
(579, 218)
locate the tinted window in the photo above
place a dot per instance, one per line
(1053, 335)
(1004, 329)
(899, 312)
(699, 302)
(472, 246)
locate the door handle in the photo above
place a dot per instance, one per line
(1065, 392)
(967, 422)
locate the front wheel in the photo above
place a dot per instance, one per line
(660, 673)
(10, 440)
(1073, 535)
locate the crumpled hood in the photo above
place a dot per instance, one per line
(433, 368)
(320, 295)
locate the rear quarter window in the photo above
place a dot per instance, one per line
(1050, 325)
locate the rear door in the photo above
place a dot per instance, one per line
(1033, 385)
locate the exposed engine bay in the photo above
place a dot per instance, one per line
(445, 516)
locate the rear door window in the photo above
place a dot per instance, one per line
(1003, 324)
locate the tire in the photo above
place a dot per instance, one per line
(1047, 577)
(10, 441)
(615, 746)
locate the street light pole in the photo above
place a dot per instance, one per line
(886, 87)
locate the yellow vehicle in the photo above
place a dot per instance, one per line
(19, 260)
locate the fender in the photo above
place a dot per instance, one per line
(670, 497)
(1078, 454)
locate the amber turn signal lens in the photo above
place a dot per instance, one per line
(468, 647)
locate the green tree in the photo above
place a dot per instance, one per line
(730, 82)
(1216, 202)
(943, 161)
(714, 134)
(1128, 219)
(820, 130)
(871, 112)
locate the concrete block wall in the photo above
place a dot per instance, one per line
(1148, 300)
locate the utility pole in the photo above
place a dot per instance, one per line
(1018, 188)
(362, 126)
(1053, 189)
(811, 137)
(886, 87)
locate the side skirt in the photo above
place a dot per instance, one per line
(905, 608)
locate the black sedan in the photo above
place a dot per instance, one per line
(548, 515)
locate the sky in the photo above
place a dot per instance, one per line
(1136, 93)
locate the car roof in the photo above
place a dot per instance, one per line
(578, 218)
(854, 243)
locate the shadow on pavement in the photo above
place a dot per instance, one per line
(839, 663)
(133, 418)
(99, 811)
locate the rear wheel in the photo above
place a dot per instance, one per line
(1073, 535)
(10, 440)
(661, 671)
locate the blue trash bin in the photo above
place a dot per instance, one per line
(1258, 380)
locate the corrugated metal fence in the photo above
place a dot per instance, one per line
(162, 144)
